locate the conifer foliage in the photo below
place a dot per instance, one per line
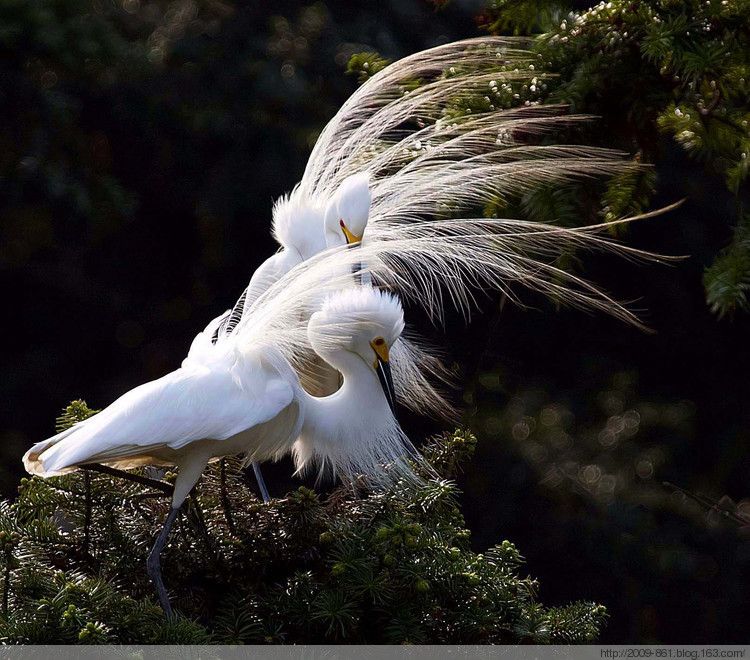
(352, 566)
(655, 72)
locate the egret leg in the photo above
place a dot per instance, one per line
(190, 468)
(153, 563)
(261, 483)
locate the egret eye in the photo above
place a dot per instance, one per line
(381, 351)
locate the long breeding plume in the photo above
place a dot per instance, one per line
(315, 305)
(430, 173)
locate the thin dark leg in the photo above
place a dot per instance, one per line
(163, 486)
(225, 504)
(261, 483)
(153, 563)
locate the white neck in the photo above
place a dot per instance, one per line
(348, 420)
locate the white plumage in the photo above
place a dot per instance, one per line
(394, 175)
(220, 400)
(241, 396)
(392, 170)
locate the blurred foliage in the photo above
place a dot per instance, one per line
(618, 472)
(613, 453)
(727, 280)
(76, 74)
(368, 567)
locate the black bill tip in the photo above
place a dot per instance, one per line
(386, 382)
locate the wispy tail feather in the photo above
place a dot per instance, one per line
(33, 461)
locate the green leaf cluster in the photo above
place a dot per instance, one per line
(520, 17)
(653, 70)
(365, 65)
(391, 566)
(727, 280)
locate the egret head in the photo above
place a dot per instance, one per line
(354, 431)
(296, 225)
(347, 213)
(359, 323)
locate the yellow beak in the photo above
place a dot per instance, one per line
(350, 238)
(381, 350)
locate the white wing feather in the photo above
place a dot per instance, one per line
(269, 272)
(423, 240)
(195, 402)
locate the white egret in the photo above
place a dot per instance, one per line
(418, 178)
(348, 211)
(302, 230)
(247, 399)
(296, 227)
(393, 162)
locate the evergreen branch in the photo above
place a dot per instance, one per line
(372, 567)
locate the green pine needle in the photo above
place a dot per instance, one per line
(390, 566)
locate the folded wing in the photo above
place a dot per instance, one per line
(151, 423)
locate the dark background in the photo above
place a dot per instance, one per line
(137, 177)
